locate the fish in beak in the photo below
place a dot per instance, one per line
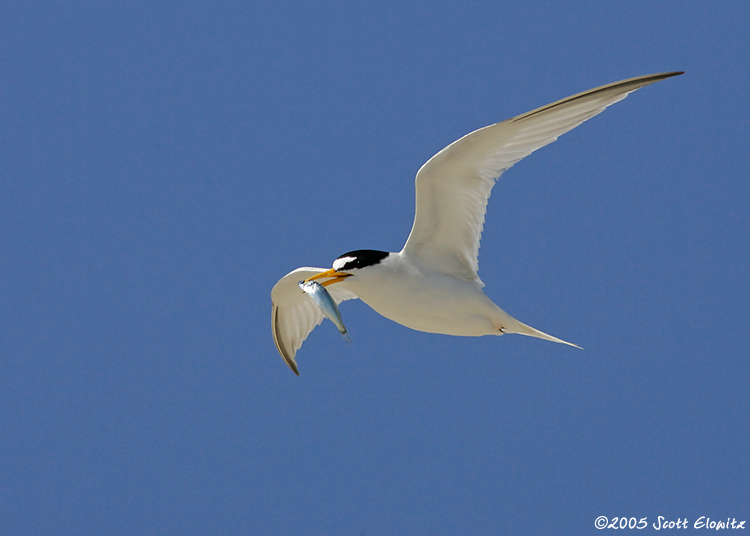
(325, 302)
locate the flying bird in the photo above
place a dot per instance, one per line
(432, 283)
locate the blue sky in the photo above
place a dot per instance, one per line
(162, 164)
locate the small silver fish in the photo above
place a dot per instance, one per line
(325, 302)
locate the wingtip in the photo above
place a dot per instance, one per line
(662, 76)
(292, 364)
(288, 359)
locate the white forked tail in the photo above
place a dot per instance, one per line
(514, 326)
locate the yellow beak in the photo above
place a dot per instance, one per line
(336, 277)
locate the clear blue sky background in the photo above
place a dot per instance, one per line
(162, 164)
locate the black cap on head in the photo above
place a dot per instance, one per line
(359, 259)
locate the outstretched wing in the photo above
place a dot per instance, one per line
(295, 315)
(454, 185)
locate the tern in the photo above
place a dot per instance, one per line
(432, 284)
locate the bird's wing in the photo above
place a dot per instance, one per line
(294, 315)
(454, 185)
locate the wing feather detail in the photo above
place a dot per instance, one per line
(453, 187)
(294, 315)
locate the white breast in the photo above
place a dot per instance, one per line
(424, 300)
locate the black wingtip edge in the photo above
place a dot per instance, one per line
(277, 341)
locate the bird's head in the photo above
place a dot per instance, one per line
(348, 264)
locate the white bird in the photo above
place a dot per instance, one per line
(432, 283)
